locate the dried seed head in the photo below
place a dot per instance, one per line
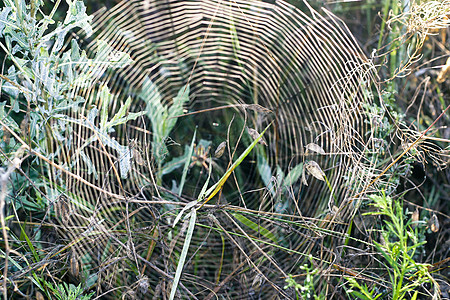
(130, 250)
(445, 72)
(24, 126)
(315, 148)
(137, 157)
(415, 218)
(255, 134)
(39, 296)
(304, 181)
(434, 223)
(314, 169)
(382, 240)
(258, 108)
(63, 210)
(74, 265)
(6, 135)
(143, 284)
(257, 281)
(220, 149)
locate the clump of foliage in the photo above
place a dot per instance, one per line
(399, 242)
(41, 104)
(36, 109)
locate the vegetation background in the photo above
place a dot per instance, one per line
(141, 228)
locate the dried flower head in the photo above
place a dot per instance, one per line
(314, 169)
(220, 149)
(255, 134)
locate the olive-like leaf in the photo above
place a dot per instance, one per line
(220, 149)
(314, 169)
(315, 148)
(434, 223)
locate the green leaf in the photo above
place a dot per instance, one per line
(161, 116)
(359, 295)
(258, 228)
(234, 37)
(293, 175)
(124, 161)
(23, 235)
(6, 118)
(105, 97)
(264, 170)
(92, 114)
(177, 162)
(71, 104)
(155, 109)
(211, 192)
(176, 109)
(12, 35)
(186, 164)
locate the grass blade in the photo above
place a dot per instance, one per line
(256, 227)
(186, 165)
(184, 253)
(218, 186)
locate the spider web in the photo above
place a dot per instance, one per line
(248, 63)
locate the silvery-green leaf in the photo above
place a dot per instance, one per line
(91, 115)
(16, 49)
(124, 161)
(280, 176)
(155, 110)
(119, 118)
(59, 41)
(176, 162)
(75, 51)
(119, 59)
(315, 148)
(16, 36)
(9, 88)
(111, 57)
(77, 15)
(16, 107)
(6, 118)
(4, 12)
(88, 162)
(314, 169)
(57, 132)
(72, 104)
